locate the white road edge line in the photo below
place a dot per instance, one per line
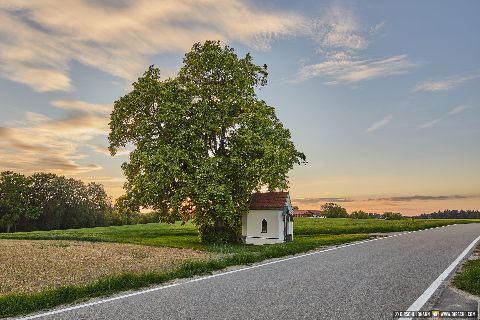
(420, 302)
(80, 306)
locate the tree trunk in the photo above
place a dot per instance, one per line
(220, 232)
(219, 223)
(8, 228)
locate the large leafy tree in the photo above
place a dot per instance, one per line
(203, 141)
(16, 199)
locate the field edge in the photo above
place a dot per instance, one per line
(12, 305)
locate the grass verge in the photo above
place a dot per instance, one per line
(468, 279)
(18, 304)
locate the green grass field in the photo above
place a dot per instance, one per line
(152, 234)
(186, 236)
(468, 279)
(308, 226)
(309, 234)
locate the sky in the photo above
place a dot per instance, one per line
(381, 96)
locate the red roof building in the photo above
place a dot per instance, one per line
(268, 200)
(307, 213)
(269, 219)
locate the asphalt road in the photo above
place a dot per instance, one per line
(368, 280)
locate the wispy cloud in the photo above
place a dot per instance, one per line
(40, 143)
(459, 109)
(41, 38)
(33, 117)
(40, 79)
(454, 111)
(380, 124)
(341, 37)
(30, 149)
(319, 201)
(445, 83)
(424, 198)
(431, 123)
(83, 106)
(104, 150)
(376, 28)
(339, 28)
(344, 69)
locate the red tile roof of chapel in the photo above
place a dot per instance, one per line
(268, 200)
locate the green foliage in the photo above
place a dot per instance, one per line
(452, 214)
(45, 201)
(468, 279)
(359, 214)
(16, 199)
(68, 203)
(333, 210)
(203, 141)
(392, 216)
(123, 214)
(214, 234)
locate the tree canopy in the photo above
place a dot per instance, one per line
(68, 203)
(333, 210)
(16, 202)
(452, 214)
(392, 216)
(360, 214)
(46, 201)
(203, 141)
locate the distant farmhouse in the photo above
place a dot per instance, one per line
(309, 213)
(269, 219)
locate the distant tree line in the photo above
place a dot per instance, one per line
(452, 214)
(46, 201)
(359, 214)
(333, 210)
